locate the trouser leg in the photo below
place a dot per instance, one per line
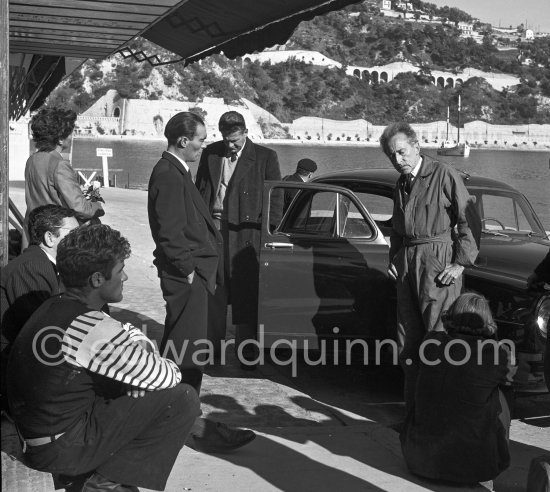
(246, 341)
(132, 441)
(434, 298)
(217, 317)
(410, 333)
(185, 329)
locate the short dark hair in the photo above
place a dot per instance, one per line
(46, 218)
(183, 124)
(306, 166)
(391, 130)
(50, 125)
(90, 249)
(231, 122)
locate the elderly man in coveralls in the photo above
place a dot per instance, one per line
(431, 242)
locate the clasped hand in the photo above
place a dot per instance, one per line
(450, 274)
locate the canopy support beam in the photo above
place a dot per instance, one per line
(4, 130)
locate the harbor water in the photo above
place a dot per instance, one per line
(526, 171)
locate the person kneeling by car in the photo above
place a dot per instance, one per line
(459, 424)
(91, 397)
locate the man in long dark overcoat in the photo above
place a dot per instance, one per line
(230, 178)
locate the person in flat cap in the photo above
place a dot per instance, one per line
(304, 170)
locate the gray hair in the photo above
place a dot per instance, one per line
(392, 130)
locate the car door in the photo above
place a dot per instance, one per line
(323, 271)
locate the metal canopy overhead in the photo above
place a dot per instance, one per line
(80, 28)
(199, 28)
(48, 39)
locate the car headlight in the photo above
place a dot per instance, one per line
(542, 315)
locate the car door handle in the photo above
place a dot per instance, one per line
(279, 245)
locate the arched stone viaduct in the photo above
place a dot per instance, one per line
(386, 73)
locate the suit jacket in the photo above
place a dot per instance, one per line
(26, 282)
(185, 236)
(49, 179)
(243, 208)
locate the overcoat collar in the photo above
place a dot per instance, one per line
(246, 160)
(426, 169)
(215, 161)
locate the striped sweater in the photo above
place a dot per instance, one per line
(102, 345)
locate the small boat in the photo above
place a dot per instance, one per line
(461, 149)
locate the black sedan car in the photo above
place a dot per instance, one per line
(323, 270)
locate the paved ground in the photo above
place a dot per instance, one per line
(326, 430)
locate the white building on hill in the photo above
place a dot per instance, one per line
(113, 114)
(311, 57)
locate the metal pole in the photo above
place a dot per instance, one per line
(4, 130)
(105, 165)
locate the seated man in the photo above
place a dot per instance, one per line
(89, 395)
(31, 278)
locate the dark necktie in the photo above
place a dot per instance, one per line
(408, 183)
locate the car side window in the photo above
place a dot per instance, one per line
(352, 222)
(380, 207)
(501, 212)
(314, 213)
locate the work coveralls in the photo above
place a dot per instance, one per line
(424, 241)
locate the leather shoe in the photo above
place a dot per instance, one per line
(217, 437)
(98, 483)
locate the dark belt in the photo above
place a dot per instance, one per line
(40, 441)
(415, 241)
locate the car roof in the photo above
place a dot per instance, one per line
(388, 177)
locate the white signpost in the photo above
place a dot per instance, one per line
(104, 154)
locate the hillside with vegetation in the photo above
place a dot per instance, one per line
(357, 35)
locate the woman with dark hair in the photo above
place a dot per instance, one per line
(457, 429)
(49, 178)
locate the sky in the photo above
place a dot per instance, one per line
(505, 12)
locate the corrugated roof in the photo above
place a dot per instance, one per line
(80, 28)
(50, 38)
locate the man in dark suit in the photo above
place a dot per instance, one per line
(304, 170)
(189, 266)
(31, 278)
(230, 178)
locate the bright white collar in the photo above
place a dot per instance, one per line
(51, 258)
(184, 164)
(414, 172)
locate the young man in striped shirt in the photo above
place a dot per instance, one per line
(90, 396)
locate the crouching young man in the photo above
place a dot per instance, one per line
(92, 397)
